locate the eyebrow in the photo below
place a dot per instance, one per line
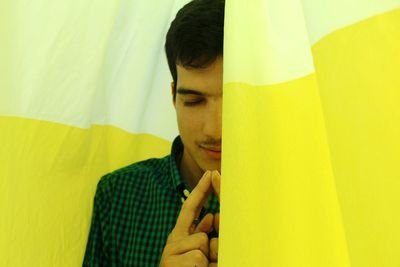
(187, 91)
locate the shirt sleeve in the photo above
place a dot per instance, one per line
(96, 253)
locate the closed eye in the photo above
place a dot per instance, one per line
(192, 103)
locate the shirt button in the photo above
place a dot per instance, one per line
(186, 193)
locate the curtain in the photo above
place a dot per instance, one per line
(311, 134)
(310, 125)
(84, 90)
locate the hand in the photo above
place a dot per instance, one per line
(213, 254)
(188, 244)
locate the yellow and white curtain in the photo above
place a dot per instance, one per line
(311, 134)
(84, 89)
(311, 125)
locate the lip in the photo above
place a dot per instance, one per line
(214, 153)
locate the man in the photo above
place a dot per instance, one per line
(140, 216)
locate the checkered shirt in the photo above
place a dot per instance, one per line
(135, 209)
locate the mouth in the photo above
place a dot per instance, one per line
(213, 152)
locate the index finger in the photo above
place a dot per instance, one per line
(216, 183)
(193, 204)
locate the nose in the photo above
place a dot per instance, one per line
(213, 120)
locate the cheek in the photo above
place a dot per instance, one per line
(189, 121)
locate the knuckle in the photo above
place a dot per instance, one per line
(214, 254)
(185, 207)
(198, 256)
(203, 238)
(214, 249)
(187, 210)
(171, 237)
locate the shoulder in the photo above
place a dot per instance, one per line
(137, 176)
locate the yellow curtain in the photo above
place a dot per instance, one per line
(311, 134)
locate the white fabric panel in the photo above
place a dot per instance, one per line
(138, 82)
(275, 41)
(324, 17)
(106, 65)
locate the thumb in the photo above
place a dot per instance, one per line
(205, 225)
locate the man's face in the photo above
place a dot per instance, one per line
(198, 107)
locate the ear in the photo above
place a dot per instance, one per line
(173, 91)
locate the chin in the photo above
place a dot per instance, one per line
(211, 166)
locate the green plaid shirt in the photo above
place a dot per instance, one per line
(135, 209)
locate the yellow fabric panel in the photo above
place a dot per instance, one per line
(358, 70)
(277, 182)
(48, 176)
(310, 169)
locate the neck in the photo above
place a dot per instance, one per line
(189, 170)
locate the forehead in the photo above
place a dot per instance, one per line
(207, 80)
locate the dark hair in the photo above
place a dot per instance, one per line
(195, 37)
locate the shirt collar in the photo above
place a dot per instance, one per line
(177, 181)
(176, 153)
